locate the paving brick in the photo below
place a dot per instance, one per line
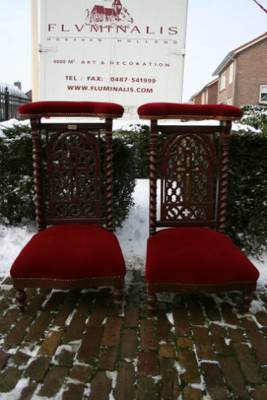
(27, 392)
(229, 315)
(211, 308)
(80, 373)
(260, 393)
(3, 358)
(131, 317)
(75, 329)
(147, 389)
(148, 338)
(97, 316)
(20, 358)
(203, 344)
(188, 361)
(17, 333)
(219, 334)
(8, 320)
(36, 331)
(107, 358)
(38, 368)
(100, 387)
(51, 343)
(191, 393)
(196, 312)
(184, 342)
(67, 308)
(125, 382)
(53, 381)
(129, 344)
(164, 327)
(250, 325)
(248, 363)
(85, 303)
(65, 357)
(9, 378)
(147, 364)
(34, 303)
(55, 301)
(236, 334)
(262, 318)
(259, 344)
(214, 381)
(170, 384)
(181, 321)
(167, 350)
(234, 377)
(90, 343)
(74, 392)
(111, 334)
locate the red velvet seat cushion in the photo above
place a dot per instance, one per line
(71, 109)
(189, 111)
(67, 252)
(198, 256)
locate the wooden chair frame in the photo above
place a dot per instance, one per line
(206, 216)
(77, 205)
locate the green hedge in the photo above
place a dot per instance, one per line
(247, 188)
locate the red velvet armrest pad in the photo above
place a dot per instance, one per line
(189, 111)
(71, 109)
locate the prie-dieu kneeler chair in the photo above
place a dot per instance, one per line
(75, 246)
(187, 250)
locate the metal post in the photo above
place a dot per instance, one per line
(6, 104)
(35, 54)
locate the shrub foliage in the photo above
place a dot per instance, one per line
(247, 188)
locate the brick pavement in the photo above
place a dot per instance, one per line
(76, 345)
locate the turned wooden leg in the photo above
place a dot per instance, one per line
(247, 298)
(151, 301)
(21, 299)
(117, 296)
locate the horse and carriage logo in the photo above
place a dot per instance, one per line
(101, 15)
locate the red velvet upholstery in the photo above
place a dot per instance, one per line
(189, 111)
(71, 109)
(70, 252)
(196, 256)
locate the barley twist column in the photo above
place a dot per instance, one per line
(109, 175)
(223, 176)
(153, 178)
(37, 175)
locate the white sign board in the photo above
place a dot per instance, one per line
(125, 51)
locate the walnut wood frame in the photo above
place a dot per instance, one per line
(52, 132)
(218, 219)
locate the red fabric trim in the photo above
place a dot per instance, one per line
(70, 252)
(189, 111)
(71, 109)
(196, 256)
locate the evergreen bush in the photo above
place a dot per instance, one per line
(16, 178)
(247, 187)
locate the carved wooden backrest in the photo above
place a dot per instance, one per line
(193, 175)
(70, 171)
